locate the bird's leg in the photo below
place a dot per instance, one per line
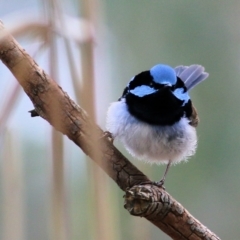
(161, 182)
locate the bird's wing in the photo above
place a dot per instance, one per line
(194, 119)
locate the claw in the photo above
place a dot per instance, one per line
(157, 184)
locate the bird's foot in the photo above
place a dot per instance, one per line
(108, 135)
(157, 184)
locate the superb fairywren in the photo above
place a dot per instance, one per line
(154, 118)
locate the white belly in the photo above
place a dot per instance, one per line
(151, 143)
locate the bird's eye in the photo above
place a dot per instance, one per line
(151, 84)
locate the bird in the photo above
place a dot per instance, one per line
(154, 118)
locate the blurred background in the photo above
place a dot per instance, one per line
(48, 188)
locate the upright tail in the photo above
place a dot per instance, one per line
(191, 75)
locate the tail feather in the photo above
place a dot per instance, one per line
(179, 69)
(191, 75)
(201, 78)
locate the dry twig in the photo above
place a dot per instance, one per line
(55, 106)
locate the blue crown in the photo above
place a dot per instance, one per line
(163, 74)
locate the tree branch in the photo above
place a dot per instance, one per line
(55, 106)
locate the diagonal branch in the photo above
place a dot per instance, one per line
(55, 106)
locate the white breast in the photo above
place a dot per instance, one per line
(151, 143)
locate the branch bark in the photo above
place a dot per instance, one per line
(56, 107)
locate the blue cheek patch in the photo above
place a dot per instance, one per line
(142, 91)
(181, 95)
(163, 74)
